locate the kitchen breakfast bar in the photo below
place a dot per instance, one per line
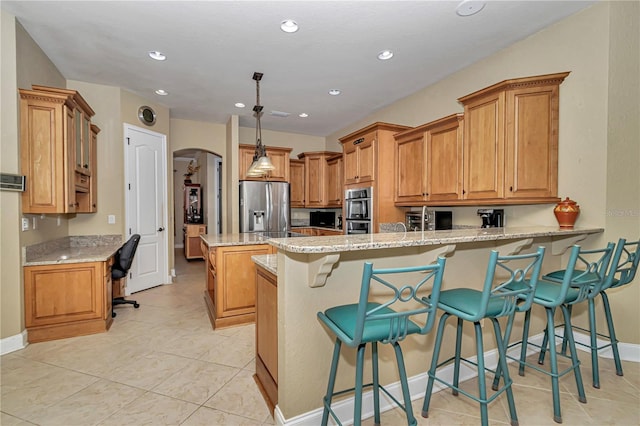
(315, 273)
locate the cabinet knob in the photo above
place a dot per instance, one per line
(160, 229)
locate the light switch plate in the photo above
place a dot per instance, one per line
(25, 224)
(111, 219)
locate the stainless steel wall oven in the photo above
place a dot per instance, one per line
(359, 210)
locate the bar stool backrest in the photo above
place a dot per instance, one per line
(514, 293)
(404, 304)
(624, 264)
(586, 271)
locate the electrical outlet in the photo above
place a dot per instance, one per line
(25, 224)
(111, 219)
(34, 222)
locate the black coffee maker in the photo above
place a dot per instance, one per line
(492, 218)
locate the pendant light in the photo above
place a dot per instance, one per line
(261, 164)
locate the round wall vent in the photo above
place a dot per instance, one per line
(147, 115)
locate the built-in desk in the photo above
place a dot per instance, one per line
(68, 287)
(316, 273)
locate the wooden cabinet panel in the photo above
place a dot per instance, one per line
(279, 156)
(359, 159)
(192, 247)
(231, 292)
(335, 185)
(532, 143)
(297, 182)
(411, 155)
(316, 180)
(67, 300)
(51, 122)
(511, 141)
(484, 148)
(444, 166)
(267, 335)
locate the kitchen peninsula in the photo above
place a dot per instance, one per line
(316, 273)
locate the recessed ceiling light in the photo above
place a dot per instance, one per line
(385, 54)
(303, 115)
(334, 92)
(158, 56)
(289, 26)
(162, 92)
(240, 105)
(469, 7)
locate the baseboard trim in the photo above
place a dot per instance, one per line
(13, 343)
(418, 384)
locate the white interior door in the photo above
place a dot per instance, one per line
(146, 206)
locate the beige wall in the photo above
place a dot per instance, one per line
(299, 143)
(598, 139)
(622, 215)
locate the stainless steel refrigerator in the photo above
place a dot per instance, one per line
(264, 207)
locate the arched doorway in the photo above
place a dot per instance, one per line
(209, 176)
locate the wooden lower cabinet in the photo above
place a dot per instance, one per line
(231, 292)
(267, 335)
(192, 241)
(67, 300)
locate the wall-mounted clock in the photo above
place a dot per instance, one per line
(147, 115)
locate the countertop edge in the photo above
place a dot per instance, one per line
(334, 244)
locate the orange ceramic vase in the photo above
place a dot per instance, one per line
(566, 212)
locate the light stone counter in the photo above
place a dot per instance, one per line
(241, 239)
(342, 243)
(267, 261)
(74, 249)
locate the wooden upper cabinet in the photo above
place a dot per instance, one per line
(50, 122)
(428, 163)
(359, 159)
(511, 140)
(335, 185)
(46, 132)
(279, 157)
(316, 178)
(296, 177)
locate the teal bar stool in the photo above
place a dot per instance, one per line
(382, 321)
(494, 301)
(622, 271)
(582, 279)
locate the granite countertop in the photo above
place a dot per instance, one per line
(340, 243)
(242, 239)
(74, 249)
(267, 261)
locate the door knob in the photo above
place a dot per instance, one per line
(160, 229)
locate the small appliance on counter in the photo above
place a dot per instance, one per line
(322, 219)
(433, 220)
(492, 218)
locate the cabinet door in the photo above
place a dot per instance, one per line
(410, 169)
(63, 293)
(532, 143)
(444, 174)
(236, 274)
(93, 194)
(484, 148)
(245, 159)
(314, 182)
(267, 321)
(366, 159)
(334, 182)
(296, 176)
(350, 158)
(280, 159)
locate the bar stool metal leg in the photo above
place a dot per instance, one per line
(332, 382)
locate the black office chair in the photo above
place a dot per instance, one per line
(121, 265)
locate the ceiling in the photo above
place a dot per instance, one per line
(214, 47)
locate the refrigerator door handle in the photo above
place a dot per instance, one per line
(269, 206)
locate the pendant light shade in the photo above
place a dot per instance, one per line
(261, 164)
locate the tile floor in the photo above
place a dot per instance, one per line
(162, 364)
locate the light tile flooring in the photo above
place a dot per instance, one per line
(162, 364)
